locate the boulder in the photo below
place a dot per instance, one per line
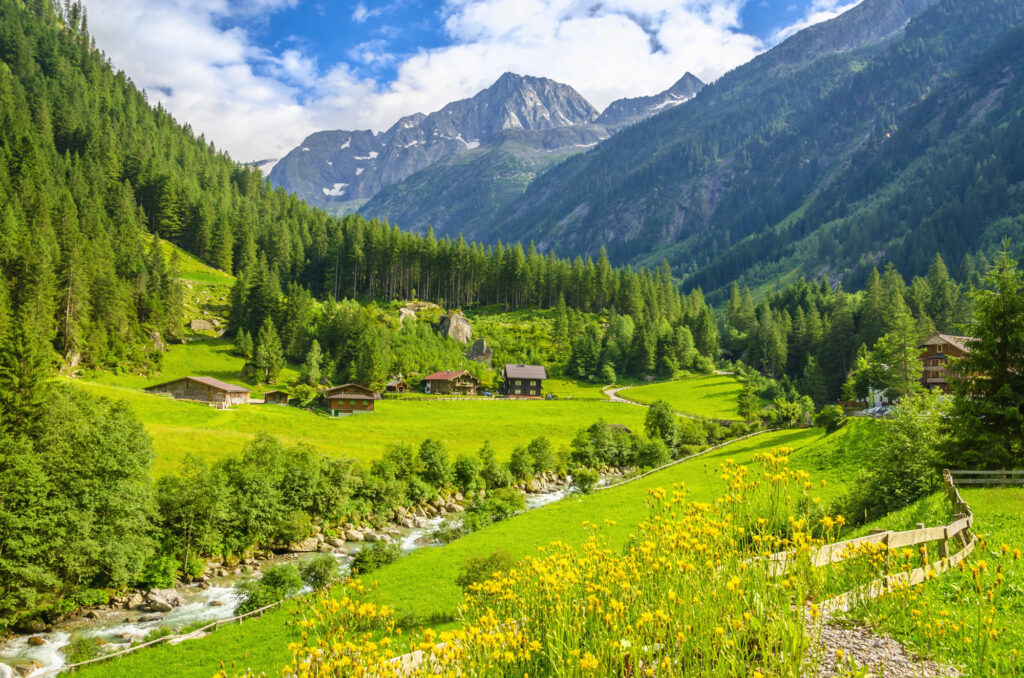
(408, 523)
(164, 600)
(370, 535)
(25, 670)
(200, 325)
(306, 545)
(6, 671)
(336, 542)
(405, 314)
(454, 508)
(481, 352)
(36, 641)
(458, 496)
(456, 326)
(150, 618)
(136, 601)
(353, 535)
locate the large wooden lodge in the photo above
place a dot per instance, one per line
(451, 383)
(936, 351)
(523, 381)
(349, 399)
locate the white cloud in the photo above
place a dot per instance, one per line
(257, 104)
(820, 10)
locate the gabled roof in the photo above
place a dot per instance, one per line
(266, 393)
(525, 372)
(447, 376)
(207, 381)
(351, 396)
(939, 338)
(330, 391)
(396, 382)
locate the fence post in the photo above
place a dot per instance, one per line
(943, 544)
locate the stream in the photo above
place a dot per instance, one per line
(120, 627)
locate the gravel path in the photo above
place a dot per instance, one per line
(880, 654)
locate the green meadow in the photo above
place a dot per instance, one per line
(713, 396)
(422, 586)
(180, 428)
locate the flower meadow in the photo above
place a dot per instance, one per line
(695, 592)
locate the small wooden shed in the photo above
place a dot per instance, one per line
(397, 385)
(275, 397)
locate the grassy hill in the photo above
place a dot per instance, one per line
(422, 586)
(712, 396)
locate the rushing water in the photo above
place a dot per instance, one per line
(122, 627)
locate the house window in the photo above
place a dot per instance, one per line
(519, 391)
(938, 349)
(519, 382)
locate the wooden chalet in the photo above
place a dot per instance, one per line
(350, 399)
(523, 381)
(203, 389)
(451, 383)
(936, 351)
(275, 397)
(397, 385)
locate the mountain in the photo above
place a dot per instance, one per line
(341, 166)
(627, 111)
(841, 148)
(467, 190)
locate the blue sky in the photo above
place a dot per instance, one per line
(257, 76)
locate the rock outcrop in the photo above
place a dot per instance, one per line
(456, 326)
(481, 352)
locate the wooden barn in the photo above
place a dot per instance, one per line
(451, 383)
(349, 399)
(275, 397)
(523, 381)
(203, 389)
(936, 351)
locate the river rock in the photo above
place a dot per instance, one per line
(408, 523)
(454, 508)
(458, 496)
(135, 601)
(37, 641)
(6, 671)
(216, 603)
(150, 618)
(456, 326)
(335, 542)
(353, 535)
(305, 546)
(164, 600)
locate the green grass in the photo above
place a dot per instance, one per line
(179, 428)
(999, 519)
(713, 396)
(569, 388)
(422, 586)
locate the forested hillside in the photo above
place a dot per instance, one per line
(857, 141)
(89, 171)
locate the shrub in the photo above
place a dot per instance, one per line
(160, 572)
(520, 465)
(82, 649)
(377, 555)
(467, 473)
(319, 571)
(501, 503)
(277, 583)
(418, 491)
(584, 480)
(482, 568)
(830, 418)
(433, 464)
(295, 526)
(652, 453)
(543, 454)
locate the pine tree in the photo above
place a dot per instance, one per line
(988, 383)
(244, 344)
(310, 372)
(269, 357)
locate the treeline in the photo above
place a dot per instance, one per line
(89, 169)
(812, 336)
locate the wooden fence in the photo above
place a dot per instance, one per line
(173, 639)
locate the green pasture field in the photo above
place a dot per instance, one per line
(713, 396)
(422, 586)
(180, 428)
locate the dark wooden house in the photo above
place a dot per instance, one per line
(397, 385)
(203, 389)
(523, 381)
(936, 351)
(451, 383)
(350, 399)
(275, 397)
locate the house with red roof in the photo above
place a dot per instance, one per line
(451, 383)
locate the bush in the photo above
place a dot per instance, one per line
(277, 583)
(830, 418)
(82, 649)
(195, 567)
(295, 526)
(520, 464)
(373, 557)
(319, 571)
(501, 503)
(467, 473)
(418, 491)
(543, 455)
(483, 568)
(584, 480)
(652, 454)
(160, 572)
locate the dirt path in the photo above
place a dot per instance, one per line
(613, 396)
(878, 653)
